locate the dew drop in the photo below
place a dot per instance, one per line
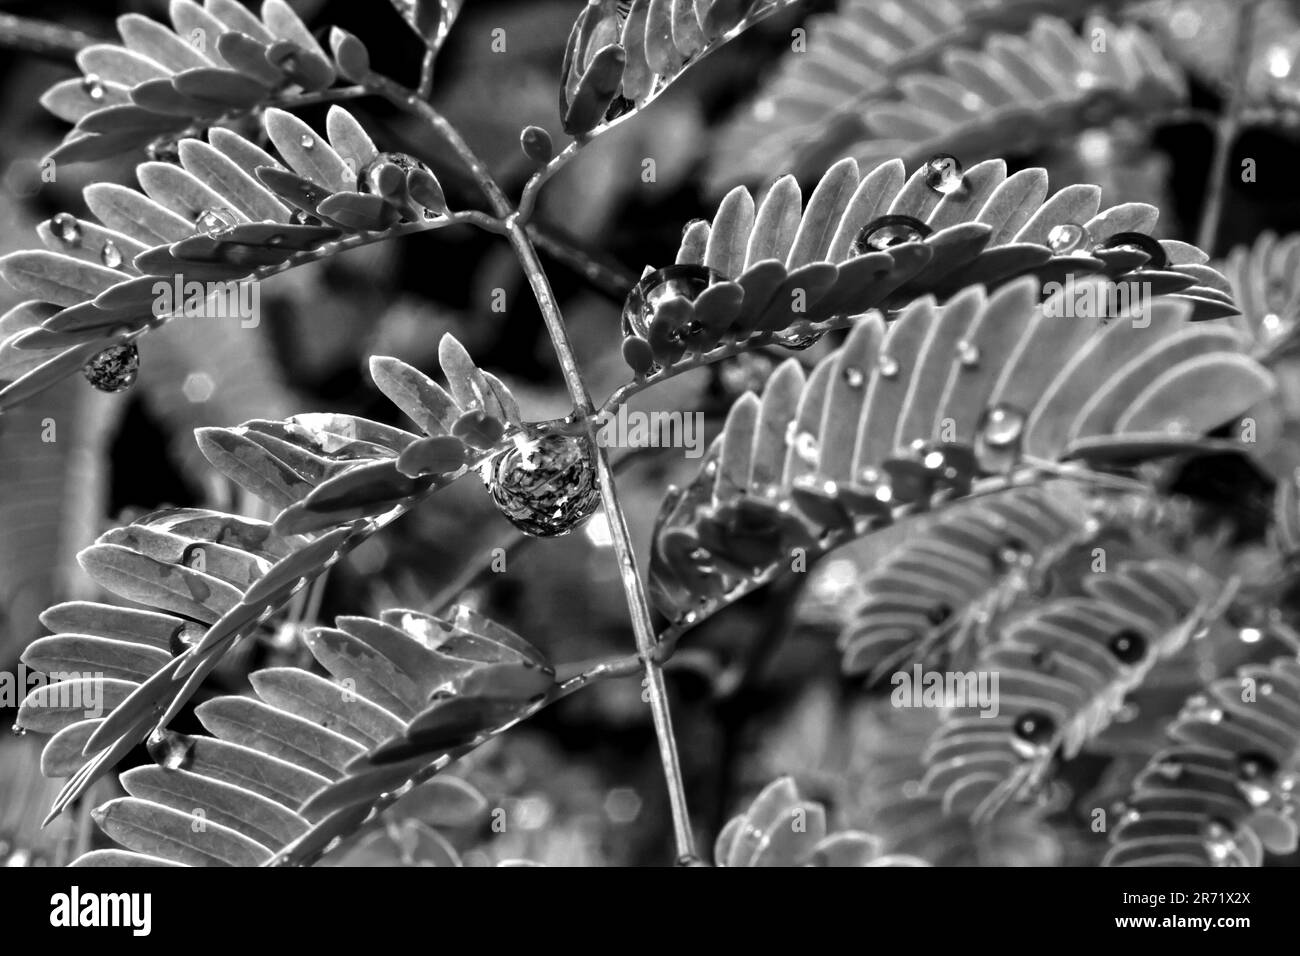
(300, 217)
(18, 730)
(1068, 237)
(368, 175)
(110, 255)
(67, 228)
(1128, 646)
(214, 221)
(677, 281)
(997, 444)
(887, 365)
(1220, 841)
(93, 87)
(1033, 733)
(968, 354)
(307, 142)
(854, 377)
(806, 448)
(545, 485)
(798, 341)
(885, 232)
(944, 174)
(170, 749)
(115, 369)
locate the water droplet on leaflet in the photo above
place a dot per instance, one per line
(110, 255)
(854, 377)
(886, 232)
(1220, 841)
(1068, 237)
(115, 369)
(997, 445)
(1033, 733)
(678, 281)
(170, 749)
(807, 448)
(968, 354)
(307, 142)
(214, 221)
(368, 175)
(18, 730)
(798, 341)
(545, 485)
(944, 174)
(887, 365)
(1128, 646)
(66, 227)
(93, 87)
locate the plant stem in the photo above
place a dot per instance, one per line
(610, 280)
(1225, 134)
(638, 605)
(37, 36)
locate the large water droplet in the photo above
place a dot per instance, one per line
(93, 87)
(1128, 646)
(114, 369)
(1068, 237)
(997, 444)
(944, 174)
(66, 228)
(368, 175)
(677, 281)
(886, 232)
(110, 255)
(544, 485)
(214, 221)
(798, 341)
(1033, 732)
(170, 749)
(1140, 242)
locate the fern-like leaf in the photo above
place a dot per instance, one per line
(1224, 792)
(303, 761)
(1263, 278)
(215, 63)
(229, 212)
(903, 416)
(861, 88)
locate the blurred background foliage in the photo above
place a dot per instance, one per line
(757, 691)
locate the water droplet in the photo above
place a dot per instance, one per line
(968, 354)
(67, 228)
(307, 142)
(887, 365)
(1033, 733)
(1169, 769)
(798, 341)
(214, 221)
(170, 749)
(544, 485)
(300, 217)
(690, 861)
(164, 149)
(110, 255)
(1266, 688)
(807, 448)
(1010, 554)
(368, 175)
(885, 232)
(18, 730)
(1220, 840)
(1139, 242)
(854, 377)
(1128, 646)
(677, 281)
(115, 369)
(997, 445)
(944, 174)
(93, 87)
(1068, 237)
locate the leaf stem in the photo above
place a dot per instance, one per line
(46, 39)
(638, 605)
(1227, 128)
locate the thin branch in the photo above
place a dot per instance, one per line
(426, 73)
(46, 39)
(609, 279)
(1228, 127)
(638, 605)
